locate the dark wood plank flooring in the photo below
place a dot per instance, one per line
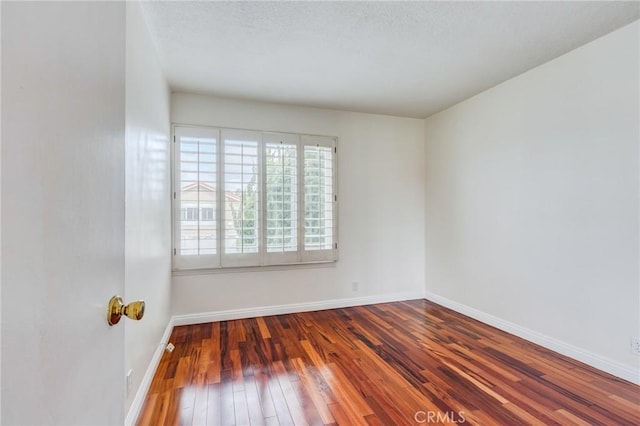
(411, 362)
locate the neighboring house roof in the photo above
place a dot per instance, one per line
(207, 187)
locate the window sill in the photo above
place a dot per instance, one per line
(221, 270)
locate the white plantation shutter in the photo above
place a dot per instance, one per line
(319, 202)
(249, 198)
(281, 197)
(195, 197)
(241, 241)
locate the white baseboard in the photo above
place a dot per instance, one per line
(292, 308)
(594, 360)
(141, 393)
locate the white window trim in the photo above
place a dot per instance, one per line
(263, 260)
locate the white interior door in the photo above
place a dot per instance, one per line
(63, 77)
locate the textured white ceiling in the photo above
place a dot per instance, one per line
(399, 58)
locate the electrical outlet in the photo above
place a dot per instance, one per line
(635, 345)
(355, 286)
(128, 382)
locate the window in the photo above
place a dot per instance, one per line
(189, 214)
(195, 234)
(207, 214)
(318, 197)
(277, 192)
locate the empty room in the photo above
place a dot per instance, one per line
(320, 213)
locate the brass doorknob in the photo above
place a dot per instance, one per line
(117, 308)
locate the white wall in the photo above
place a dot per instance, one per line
(148, 206)
(381, 209)
(532, 200)
(63, 124)
(0, 225)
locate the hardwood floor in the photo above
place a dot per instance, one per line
(398, 363)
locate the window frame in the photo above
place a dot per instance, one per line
(238, 259)
(199, 261)
(263, 259)
(282, 258)
(319, 255)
